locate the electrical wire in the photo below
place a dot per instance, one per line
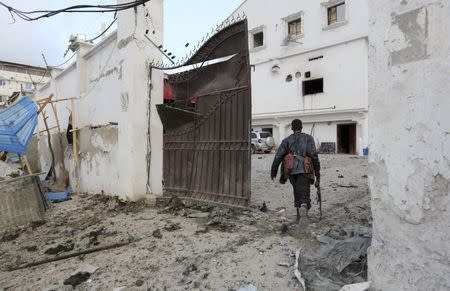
(29, 15)
(103, 32)
(65, 62)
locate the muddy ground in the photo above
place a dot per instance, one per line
(183, 247)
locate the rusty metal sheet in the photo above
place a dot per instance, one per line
(173, 118)
(208, 158)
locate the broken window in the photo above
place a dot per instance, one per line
(311, 87)
(336, 13)
(69, 133)
(295, 27)
(258, 39)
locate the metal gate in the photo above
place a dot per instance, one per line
(207, 128)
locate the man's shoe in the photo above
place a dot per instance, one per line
(303, 212)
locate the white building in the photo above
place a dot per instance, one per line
(16, 77)
(309, 61)
(119, 133)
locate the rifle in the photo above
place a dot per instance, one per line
(319, 200)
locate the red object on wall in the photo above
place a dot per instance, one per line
(168, 93)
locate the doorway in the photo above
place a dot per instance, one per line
(346, 138)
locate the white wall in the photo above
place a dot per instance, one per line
(410, 144)
(345, 84)
(119, 128)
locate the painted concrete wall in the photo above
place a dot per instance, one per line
(118, 131)
(410, 144)
(343, 65)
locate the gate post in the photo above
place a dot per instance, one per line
(140, 131)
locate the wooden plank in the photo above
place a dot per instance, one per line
(75, 148)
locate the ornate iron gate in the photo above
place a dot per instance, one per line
(207, 129)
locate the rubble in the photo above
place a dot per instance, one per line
(224, 251)
(60, 248)
(8, 171)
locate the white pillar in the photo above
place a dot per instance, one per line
(409, 144)
(140, 131)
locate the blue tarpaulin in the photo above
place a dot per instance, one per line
(17, 124)
(59, 196)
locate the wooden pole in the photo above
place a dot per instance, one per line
(75, 148)
(64, 175)
(76, 254)
(49, 140)
(27, 164)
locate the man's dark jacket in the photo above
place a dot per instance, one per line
(300, 145)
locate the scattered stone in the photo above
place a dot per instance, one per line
(36, 224)
(284, 228)
(32, 248)
(157, 233)
(185, 281)
(263, 208)
(356, 287)
(201, 229)
(172, 227)
(139, 283)
(10, 236)
(279, 275)
(249, 287)
(77, 279)
(60, 248)
(198, 215)
(197, 284)
(93, 237)
(191, 268)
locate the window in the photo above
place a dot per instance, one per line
(3, 83)
(336, 13)
(28, 86)
(258, 39)
(265, 134)
(253, 135)
(295, 27)
(311, 87)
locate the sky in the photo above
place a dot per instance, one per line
(185, 21)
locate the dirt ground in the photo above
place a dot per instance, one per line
(183, 246)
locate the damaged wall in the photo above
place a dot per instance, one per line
(410, 144)
(111, 86)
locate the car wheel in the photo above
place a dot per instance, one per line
(253, 149)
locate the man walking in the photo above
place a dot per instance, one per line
(301, 169)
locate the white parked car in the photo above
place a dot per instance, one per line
(262, 142)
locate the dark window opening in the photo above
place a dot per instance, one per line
(336, 13)
(313, 86)
(258, 39)
(289, 78)
(269, 130)
(295, 27)
(253, 135)
(265, 134)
